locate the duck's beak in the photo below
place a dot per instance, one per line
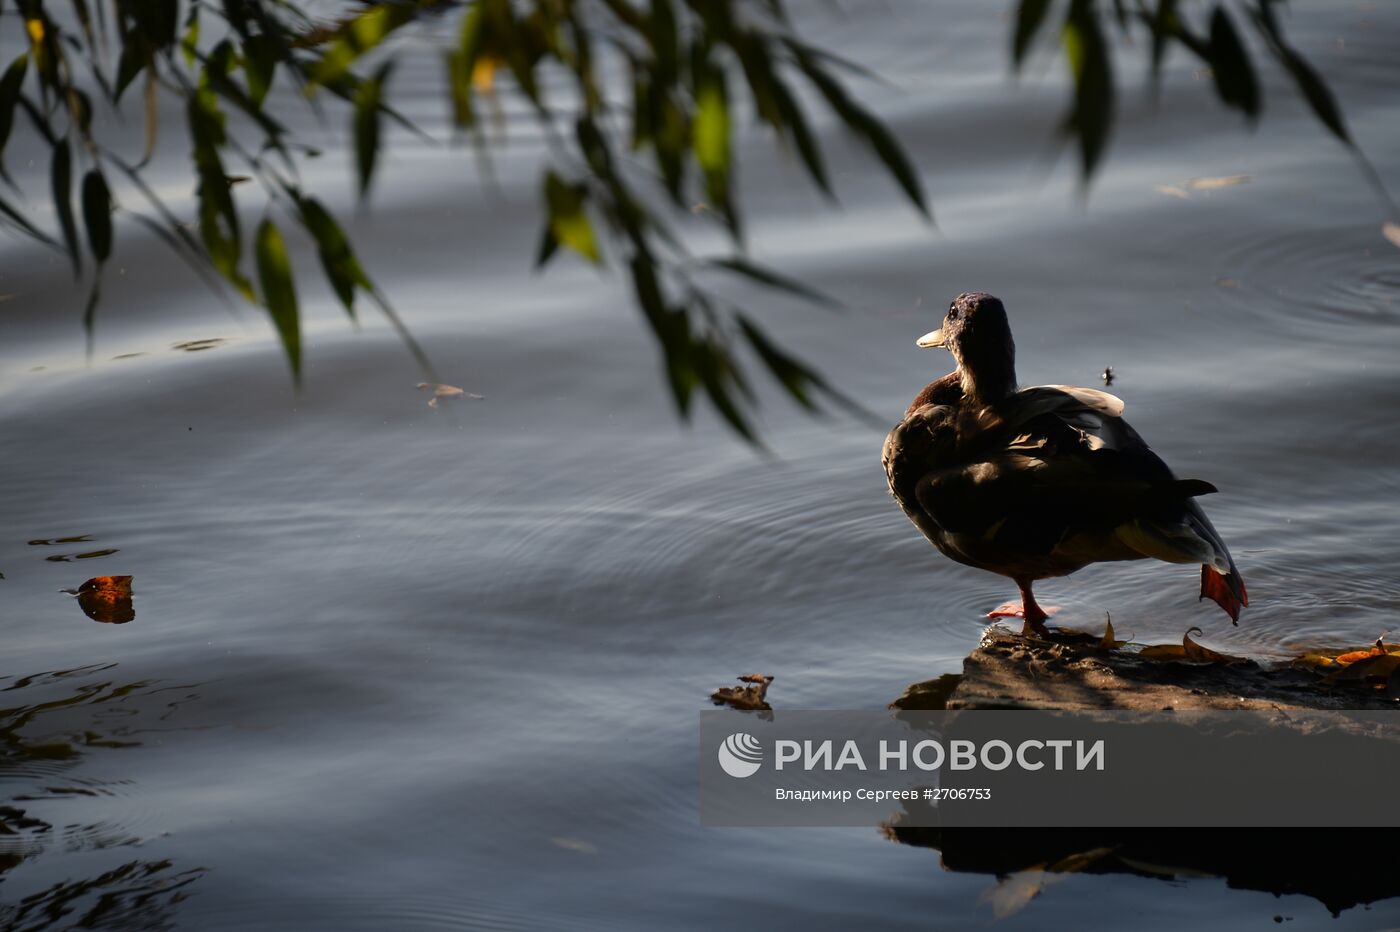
(930, 340)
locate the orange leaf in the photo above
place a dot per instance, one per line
(107, 599)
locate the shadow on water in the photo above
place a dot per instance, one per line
(50, 725)
(1337, 867)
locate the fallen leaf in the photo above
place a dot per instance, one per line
(1108, 642)
(1356, 655)
(746, 698)
(1188, 651)
(445, 391)
(1375, 667)
(107, 599)
(1391, 231)
(1211, 184)
(575, 844)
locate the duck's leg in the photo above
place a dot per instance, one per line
(1035, 615)
(1027, 608)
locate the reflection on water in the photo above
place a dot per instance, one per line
(64, 718)
(1340, 869)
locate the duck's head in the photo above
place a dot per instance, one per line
(976, 332)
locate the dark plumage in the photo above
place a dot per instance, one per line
(1043, 481)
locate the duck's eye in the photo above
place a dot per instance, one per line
(952, 313)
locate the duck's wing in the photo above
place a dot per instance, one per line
(1073, 474)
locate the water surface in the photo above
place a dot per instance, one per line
(397, 667)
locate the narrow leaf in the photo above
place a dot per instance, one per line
(10, 86)
(61, 176)
(568, 220)
(771, 279)
(259, 64)
(1092, 113)
(97, 215)
(279, 291)
(338, 259)
(1229, 63)
(1030, 16)
(368, 100)
(711, 133)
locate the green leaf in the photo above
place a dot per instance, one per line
(259, 63)
(97, 214)
(279, 291)
(358, 36)
(1030, 16)
(865, 125)
(1229, 62)
(1313, 88)
(665, 38)
(711, 133)
(134, 59)
(568, 220)
(338, 259)
(796, 125)
(189, 44)
(672, 330)
(549, 245)
(368, 102)
(771, 279)
(10, 86)
(1092, 113)
(1163, 24)
(797, 379)
(61, 176)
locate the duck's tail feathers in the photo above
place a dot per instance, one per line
(1226, 590)
(1221, 582)
(1188, 537)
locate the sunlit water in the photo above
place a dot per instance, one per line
(398, 667)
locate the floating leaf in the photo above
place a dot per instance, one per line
(748, 698)
(107, 599)
(279, 291)
(445, 391)
(1212, 184)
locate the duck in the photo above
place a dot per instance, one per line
(1034, 483)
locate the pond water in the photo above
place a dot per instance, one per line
(396, 667)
